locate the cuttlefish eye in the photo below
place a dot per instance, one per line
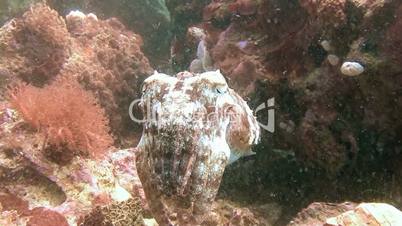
(221, 89)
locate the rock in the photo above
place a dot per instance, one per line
(348, 214)
(231, 213)
(46, 217)
(317, 213)
(333, 59)
(380, 214)
(352, 68)
(150, 222)
(326, 45)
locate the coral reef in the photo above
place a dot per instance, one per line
(333, 67)
(107, 60)
(116, 213)
(298, 64)
(69, 66)
(68, 116)
(102, 55)
(329, 13)
(332, 131)
(198, 125)
(72, 191)
(150, 19)
(35, 46)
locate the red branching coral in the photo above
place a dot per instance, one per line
(68, 116)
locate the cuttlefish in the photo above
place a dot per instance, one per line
(195, 126)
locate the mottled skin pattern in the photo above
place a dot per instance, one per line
(194, 125)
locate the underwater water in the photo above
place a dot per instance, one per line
(196, 112)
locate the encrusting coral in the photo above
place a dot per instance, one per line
(67, 115)
(199, 125)
(115, 214)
